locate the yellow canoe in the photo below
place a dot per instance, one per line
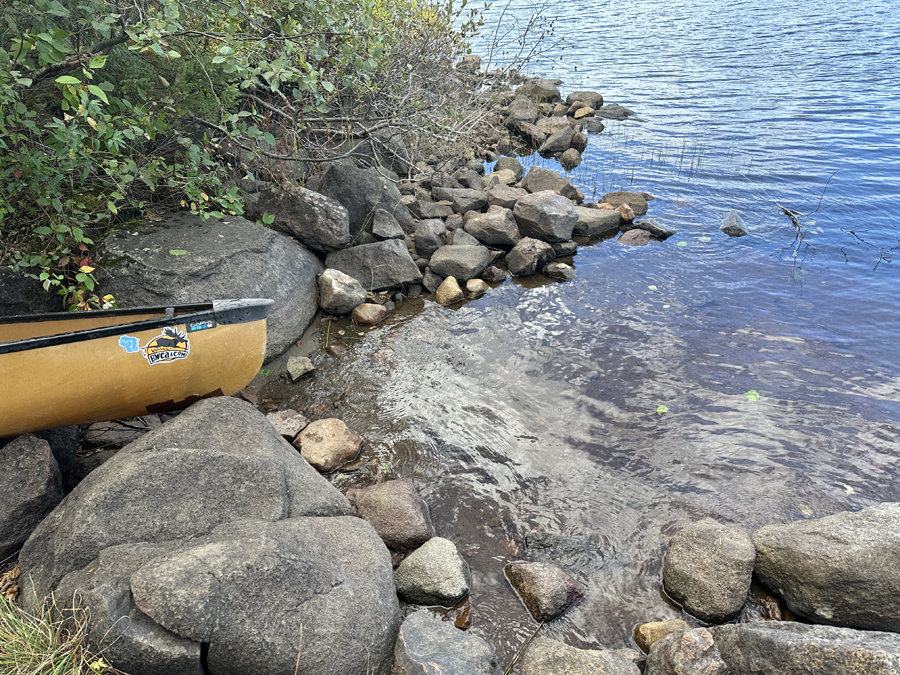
(77, 368)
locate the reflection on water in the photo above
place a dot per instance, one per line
(534, 408)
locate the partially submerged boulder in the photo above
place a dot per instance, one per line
(377, 266)
(328, 444)
(546, 216)
(433, 574)
(428, 645)
(396, 511)
(635, 200)
(339, 293)
(545, 589)
(550, 657)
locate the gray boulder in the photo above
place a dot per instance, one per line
(790, 648)
(223, 258)
(546, 590)
(570, 159)
(425, 209)
(649, 225)
(63, 444)
(593, 125)
(594, 222)
(385, 226)
(496, 228)
(328, 444)
(218, 461)
(316, 221)
(635, 200)
(119, 433)
(426, 644)
(540, 89)
(377, 266)
(549, 657)
(463, 199)
(461, 262)
(528, 256)
(540, 179)
(546, 216)
(22, 295)
(841, 570)
(264, 595)
(433, 574)
(510, 164)
(613, 111)
(592, 99)
(635, 237)
(470, 179)
(361, 192)
(430, 236)
(339, 293)
(31, 489)
(692, 652)
(734, 225)
(462, 238)
(558, 142)
(396, 511)
(559, 271)
(521, 110)
(504, 196)
(708, 568)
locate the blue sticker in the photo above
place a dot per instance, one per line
(129, 344)
(205, 324)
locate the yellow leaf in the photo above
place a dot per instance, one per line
(205, 196)
(86, 269)
(92, 122)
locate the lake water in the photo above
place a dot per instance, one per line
(535, 408)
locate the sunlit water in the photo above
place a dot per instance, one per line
(534, 409)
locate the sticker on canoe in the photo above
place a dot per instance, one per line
(129, 344)
(170, 345)
(205, 324)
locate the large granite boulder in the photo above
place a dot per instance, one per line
(23, 295)
(396, 511)
(549, 657)
(433, 574)
(594, 222)
(361, 192)
(339, 293)
(217, 462)
(462, 262)
(528, 256)
(428, 645)
(546, 216)
(842, 570)
(708, 568)
(316, 221)
(31, 488)
(497, 227)
(791, 648)
(183, 259)
(692, 652)
(377, 266)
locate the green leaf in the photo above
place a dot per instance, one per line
(67, 79)
(97, 62)
(269, 138)
(112, 207)
(265, 372)
(268, 218)
(682, 243)
(98, 92)
(752, 395)
(177, 251)
(661, 409)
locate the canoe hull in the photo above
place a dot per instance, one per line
(136, 370)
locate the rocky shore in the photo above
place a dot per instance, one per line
(214, 539)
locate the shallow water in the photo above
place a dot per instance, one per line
(534, 408)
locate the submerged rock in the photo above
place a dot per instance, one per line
(433, 574)
(328, 444)
(546, 590)
(549, 657)
(298, 366)
(559, 271)
(397, 512)
(427, 644)
(734, 225)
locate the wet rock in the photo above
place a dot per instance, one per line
(428, 645)
(583, 112)
(559, 271)
(119, 433)
(463, 199)
(369, 314)
(551, 125)
(734, 225)
(397, 512)
(449, 292)
(653, 227)
(433, 574)
(510, 164)
(549, 657)
(494, 275)
(504, 196)
(288, 423)
(384, 264)
(570, 159)
(504, 177)
(646, 634)
(496, 228)
(790, 648)
(520, 111)
(316, 221)
(361, 192)
(328, 444)
(587, 555)
(339, 293)
(533, 134)
(476, 288)
(593, 222)
(540, 89)
(431, 281)
(197, 465)
(462, 262)
(540, 179)
(298, 366)
(579, 142)
(590, 98)
(430, 236)
(692, 652)
(226, 257)
(528, 256)
(558, 142)
(546, 216)
(635, 200)
(626, 212)
(31, 488)
(546, 590)
(708, 568)
(463, 238)
(385, 226)
(593, 125)
(613, 111)
(840, 570)
(563, 249)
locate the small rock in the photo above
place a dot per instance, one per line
(385, 226)
(431, 281)
(433, 574)
(328, 444)
(563, 249)
(546, 589)
(528, 256)
(635, 200)
(510, 164)
(288, 423)
(397, 512)
(339, 293)
(634, 238)
(369, 314)
(647, 634)
(559, 271)
(449, 292)
(653, 227)
(476, 288)
(593, 125)
(583, 112)
(579, 141)
(298, 366)
(734, 225)
(626, 211)
(549, 657)
(692, 652)
(494, 275)
(570, 159)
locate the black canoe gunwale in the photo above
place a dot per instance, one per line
(221, 311)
